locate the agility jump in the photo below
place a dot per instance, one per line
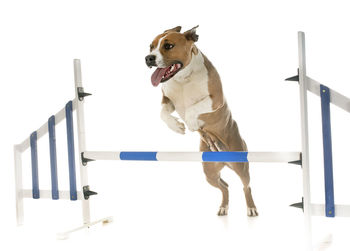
(83, 193)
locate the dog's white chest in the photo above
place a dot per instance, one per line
(189, 93)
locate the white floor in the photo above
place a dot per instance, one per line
(166, 216)
(162, 229)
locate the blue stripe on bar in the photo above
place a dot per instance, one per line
(53, 158)
(225, 156)
(35, 174)
(327, 151)
(150, 156)
(71, 157)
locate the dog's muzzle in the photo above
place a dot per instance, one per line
(150, 60)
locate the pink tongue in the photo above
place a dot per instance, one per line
(157, 76)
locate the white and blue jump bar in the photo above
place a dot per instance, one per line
(195, 156)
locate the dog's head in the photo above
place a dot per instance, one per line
(170, 52)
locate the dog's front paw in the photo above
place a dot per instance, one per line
(176, 126)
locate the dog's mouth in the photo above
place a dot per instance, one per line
(164, 74)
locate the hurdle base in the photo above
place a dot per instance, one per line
(65, 235)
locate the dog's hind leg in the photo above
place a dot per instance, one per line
(212, 172)
(242, 170)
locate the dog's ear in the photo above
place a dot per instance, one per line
(177, 29)
(191, 34)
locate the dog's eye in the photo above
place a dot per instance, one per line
(151, 47)
(168, 46)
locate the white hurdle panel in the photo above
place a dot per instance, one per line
(48, 127)
(327, 96)
(18, 150)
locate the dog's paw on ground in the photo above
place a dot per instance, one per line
(223, 211)
(252, 212)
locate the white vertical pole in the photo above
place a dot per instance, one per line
(304, 138)
(19, 186)
(81, 138)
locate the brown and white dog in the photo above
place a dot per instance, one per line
(192, 87)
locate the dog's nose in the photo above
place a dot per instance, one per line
(151, 60)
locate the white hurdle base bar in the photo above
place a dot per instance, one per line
(340, 210)
(65, 235)
(47, 194)
(292, 157)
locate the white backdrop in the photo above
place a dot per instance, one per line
(170, 206)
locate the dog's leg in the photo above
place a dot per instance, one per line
(242, 169)
(171, 121)
(212, 172)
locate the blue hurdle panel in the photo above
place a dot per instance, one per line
(327, 151)
(53, 158)
(71, 157)
(34, 157)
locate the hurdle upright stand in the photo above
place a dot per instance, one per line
(327, 95)
(81, 135)
(304, 138)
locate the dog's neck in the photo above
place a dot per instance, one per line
(196, 65)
